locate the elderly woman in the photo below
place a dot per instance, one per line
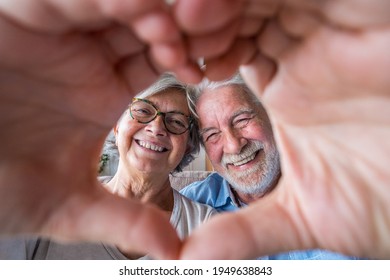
(155, 137)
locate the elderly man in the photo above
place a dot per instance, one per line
(237, 136)
(69, 67)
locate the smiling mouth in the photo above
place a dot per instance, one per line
(245, 160)
(151, 146)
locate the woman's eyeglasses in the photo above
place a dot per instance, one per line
(144, 112)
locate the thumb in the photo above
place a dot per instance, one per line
(264, 228)
(104, 217)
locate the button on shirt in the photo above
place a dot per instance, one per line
(216, 192)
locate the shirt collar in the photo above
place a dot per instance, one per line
(235, 199)
(226, 197)
(223, 197)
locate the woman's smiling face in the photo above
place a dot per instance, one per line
(151, 147)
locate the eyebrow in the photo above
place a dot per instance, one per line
(231, 119)
(158, 109)
(205, 130)
(177, 112)
(241, 112)
(173, 111)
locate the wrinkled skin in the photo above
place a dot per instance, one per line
(321, 70)
(69, 68)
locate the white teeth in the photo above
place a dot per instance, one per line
(150, 146)
(245, 160)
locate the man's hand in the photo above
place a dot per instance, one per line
(321, 70)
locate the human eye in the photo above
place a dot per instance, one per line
(242, 120)
(141, 110)
(177, 120)
(210, 136)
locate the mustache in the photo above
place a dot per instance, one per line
(247, 151)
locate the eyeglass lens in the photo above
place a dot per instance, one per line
(145, 112)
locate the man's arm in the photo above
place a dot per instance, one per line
(320, 69)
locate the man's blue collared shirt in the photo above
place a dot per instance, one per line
(215, 191)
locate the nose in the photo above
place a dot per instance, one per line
(233, 142)
(157, 126)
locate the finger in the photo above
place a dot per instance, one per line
(258, 73)
(203, 16)
(273, 41)
(141, 70)
(121, 42)
(169, 55)
(298, 22)
(104, 217)
(214, 43)
(138, 71)
(248, 235)
(241, 52)
(156, 26)
(250, 27)
(189, 73)
(262, 9)
(348, 14)
(57, 15)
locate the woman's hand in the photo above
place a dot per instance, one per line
(68, 69)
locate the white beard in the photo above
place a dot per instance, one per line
(258, 179)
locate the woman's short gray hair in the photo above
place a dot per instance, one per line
(167, 82)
